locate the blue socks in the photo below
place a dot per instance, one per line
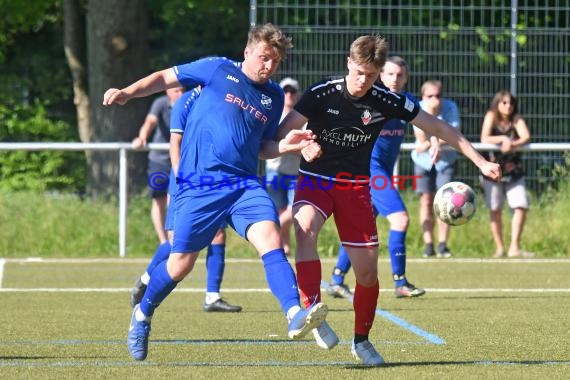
(281, 278)
(159, 286)
(397, 250)
(215, 265)
(342, 266)
(161, 254)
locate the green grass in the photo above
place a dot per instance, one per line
(68, 320)
(67, 226)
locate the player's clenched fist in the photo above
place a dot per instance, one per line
(311, 152)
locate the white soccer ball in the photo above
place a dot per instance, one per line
(454, 203)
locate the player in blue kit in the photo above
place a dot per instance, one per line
(234, 121)
(215, 258)
(386, 199)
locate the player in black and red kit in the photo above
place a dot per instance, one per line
(346, 114)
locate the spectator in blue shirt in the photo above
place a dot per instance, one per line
(434, 172)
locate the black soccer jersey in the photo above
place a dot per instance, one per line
(347, 127)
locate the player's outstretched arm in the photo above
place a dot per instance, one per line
(433, 126)
(293, 120)
(151, 84)
(294, 142)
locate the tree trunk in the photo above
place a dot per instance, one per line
(74, 47)
(117, 56)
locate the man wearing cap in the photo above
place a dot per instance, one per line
(281, 172)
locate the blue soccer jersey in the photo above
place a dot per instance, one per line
(181, 110)
(386, 198)
(178, 116)
(229, 120)
(220, 149)
(387, 146)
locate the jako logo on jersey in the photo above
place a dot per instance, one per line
(266, 101)
(334, 112)
(366, 117)
(232, 78)
(231, 98)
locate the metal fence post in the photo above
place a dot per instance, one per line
(514, 59)
(122, 202)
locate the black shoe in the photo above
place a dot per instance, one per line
(429, 251)
(221, 306)
(443, 252)
(137, 292)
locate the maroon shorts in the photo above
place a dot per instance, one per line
(350, 204)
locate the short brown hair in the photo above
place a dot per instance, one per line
(271, 35)
(369, 49)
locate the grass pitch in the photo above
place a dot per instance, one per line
(495, 319)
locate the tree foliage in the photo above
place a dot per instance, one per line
(36, 87)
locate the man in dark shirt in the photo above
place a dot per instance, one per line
(346, 115)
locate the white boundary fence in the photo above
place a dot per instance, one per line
(123, 148)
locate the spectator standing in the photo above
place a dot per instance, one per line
(504, 126)
(434, 173)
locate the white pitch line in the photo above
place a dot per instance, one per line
(265, 290)
(2, 262)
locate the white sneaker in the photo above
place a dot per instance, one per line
(306, 320)
(325, 336)
(365, 352)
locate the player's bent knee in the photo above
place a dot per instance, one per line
(180, 264)
(367, 280)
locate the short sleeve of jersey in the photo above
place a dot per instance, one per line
(199, 72)
(402, 106)
(309, 104)
(452, 114)
(181, 109)
(158, 106)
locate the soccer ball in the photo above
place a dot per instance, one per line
(454, 203)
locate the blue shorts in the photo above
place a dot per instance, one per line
(386, 198)
(169, 223)
(171, 211)
(200, 213)
(281, 188)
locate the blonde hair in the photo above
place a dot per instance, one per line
(431, 83)
(272, 36)
(369, 49)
